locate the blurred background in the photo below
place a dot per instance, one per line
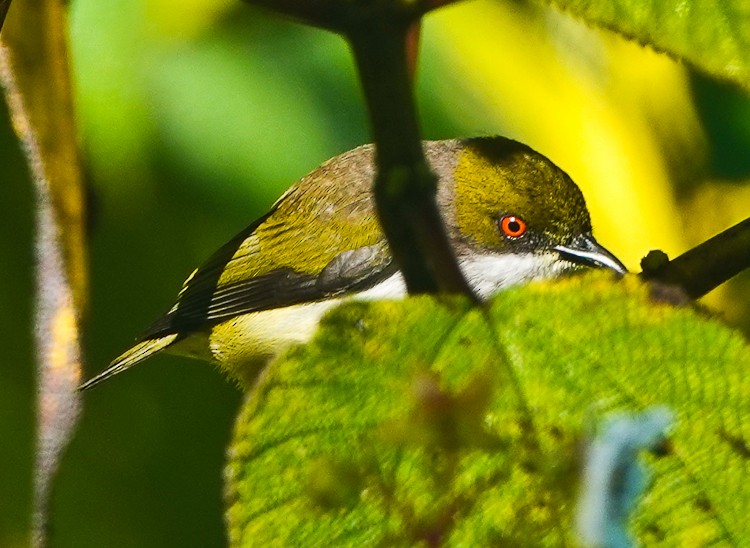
(195, 116)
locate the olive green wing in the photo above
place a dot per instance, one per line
(321, 240)
(203, 302)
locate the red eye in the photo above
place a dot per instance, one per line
(513, 227)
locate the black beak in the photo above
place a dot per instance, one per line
(585, 250)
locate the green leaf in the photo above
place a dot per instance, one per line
(429, 420)
(714, 35)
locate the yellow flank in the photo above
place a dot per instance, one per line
(243, 345)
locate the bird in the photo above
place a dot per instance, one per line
(511, 215)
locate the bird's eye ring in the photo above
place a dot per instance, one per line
(512, 226)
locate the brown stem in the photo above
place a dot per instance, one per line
(383, 35)
(707, 265)
(4, 5)
(413, 34)
(327, 14)
(341, 15)
(405, 187)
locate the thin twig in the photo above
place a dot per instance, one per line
(708, 265)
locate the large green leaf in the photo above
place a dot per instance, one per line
(714, 35)
(431, 420)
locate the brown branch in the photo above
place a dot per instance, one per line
(707, 265)
(413, 35)
(327, 14)
(4, 5)
(405, 187)
(342, 15)
(383, 35)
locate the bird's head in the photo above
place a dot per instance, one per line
(515, 216)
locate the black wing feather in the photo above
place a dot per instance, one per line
(202, 303)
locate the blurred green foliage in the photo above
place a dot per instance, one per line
(16, 390)
(194, 117)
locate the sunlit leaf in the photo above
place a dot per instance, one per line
(451, 427)
(714, 35)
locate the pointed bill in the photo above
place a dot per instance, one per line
(585, 250)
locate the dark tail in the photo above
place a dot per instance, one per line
(138, 353)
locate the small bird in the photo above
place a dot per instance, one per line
(511, 215)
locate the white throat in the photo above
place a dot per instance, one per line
(486, 274)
